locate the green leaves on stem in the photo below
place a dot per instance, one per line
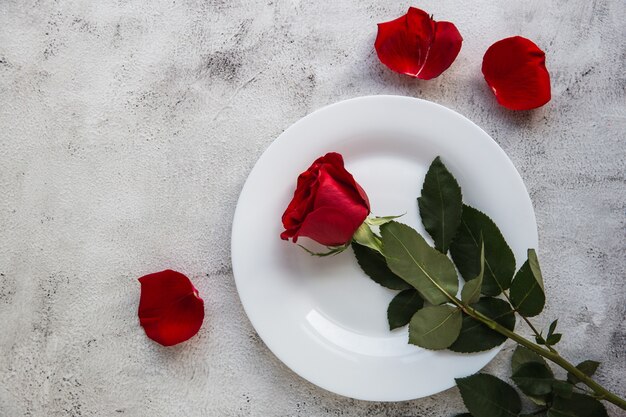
(586, 367)
(534, 379)
(424, 268)
(523, 356)
(477, 227)
(527, 293)
(578, 405)
(435, 327)
(471, 291)
(401, 259)
(375, 266)
(487, 396)
(403, 307)
(440, 205)
(475, 336)
(552, 338)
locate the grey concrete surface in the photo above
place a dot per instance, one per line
(127, 129)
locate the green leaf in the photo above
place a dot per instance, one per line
(466, 247)
(586, 367)
(524, 355)
(535, 414)
(487, 396)
(411, 258)
(402, 308)
(435, 327)
(534, 265)
(471, 290)
(553, 339)
(552, 327)
(578, 405)
(563, 389)
(440, 205)
(464, 415)
(527, 294)
(534, 379)
(375, 266)
(475, 336)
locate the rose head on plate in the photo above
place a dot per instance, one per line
(328, 205)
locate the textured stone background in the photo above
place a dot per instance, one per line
(127, 129)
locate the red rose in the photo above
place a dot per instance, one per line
(328, 205)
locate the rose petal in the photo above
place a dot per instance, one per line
(418, 46)
(333, 194)
(515, 70)
(328, 226)
(170, 309)
(335, 167)
(443, 51)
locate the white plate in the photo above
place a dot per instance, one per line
(323, 317)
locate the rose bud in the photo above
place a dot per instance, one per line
(328, 205)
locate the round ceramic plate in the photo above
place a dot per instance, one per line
(323, 317)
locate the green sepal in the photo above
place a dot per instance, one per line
(379, 221)
(365, 236)
(332, 250)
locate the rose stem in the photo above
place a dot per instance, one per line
(602, 393)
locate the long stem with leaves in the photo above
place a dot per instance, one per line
(552, 355)
(400, 258)
(549, 353)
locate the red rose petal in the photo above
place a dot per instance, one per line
(443, 51)
(170, 309)
(418, 46)
(328, 226)
(515, 69)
